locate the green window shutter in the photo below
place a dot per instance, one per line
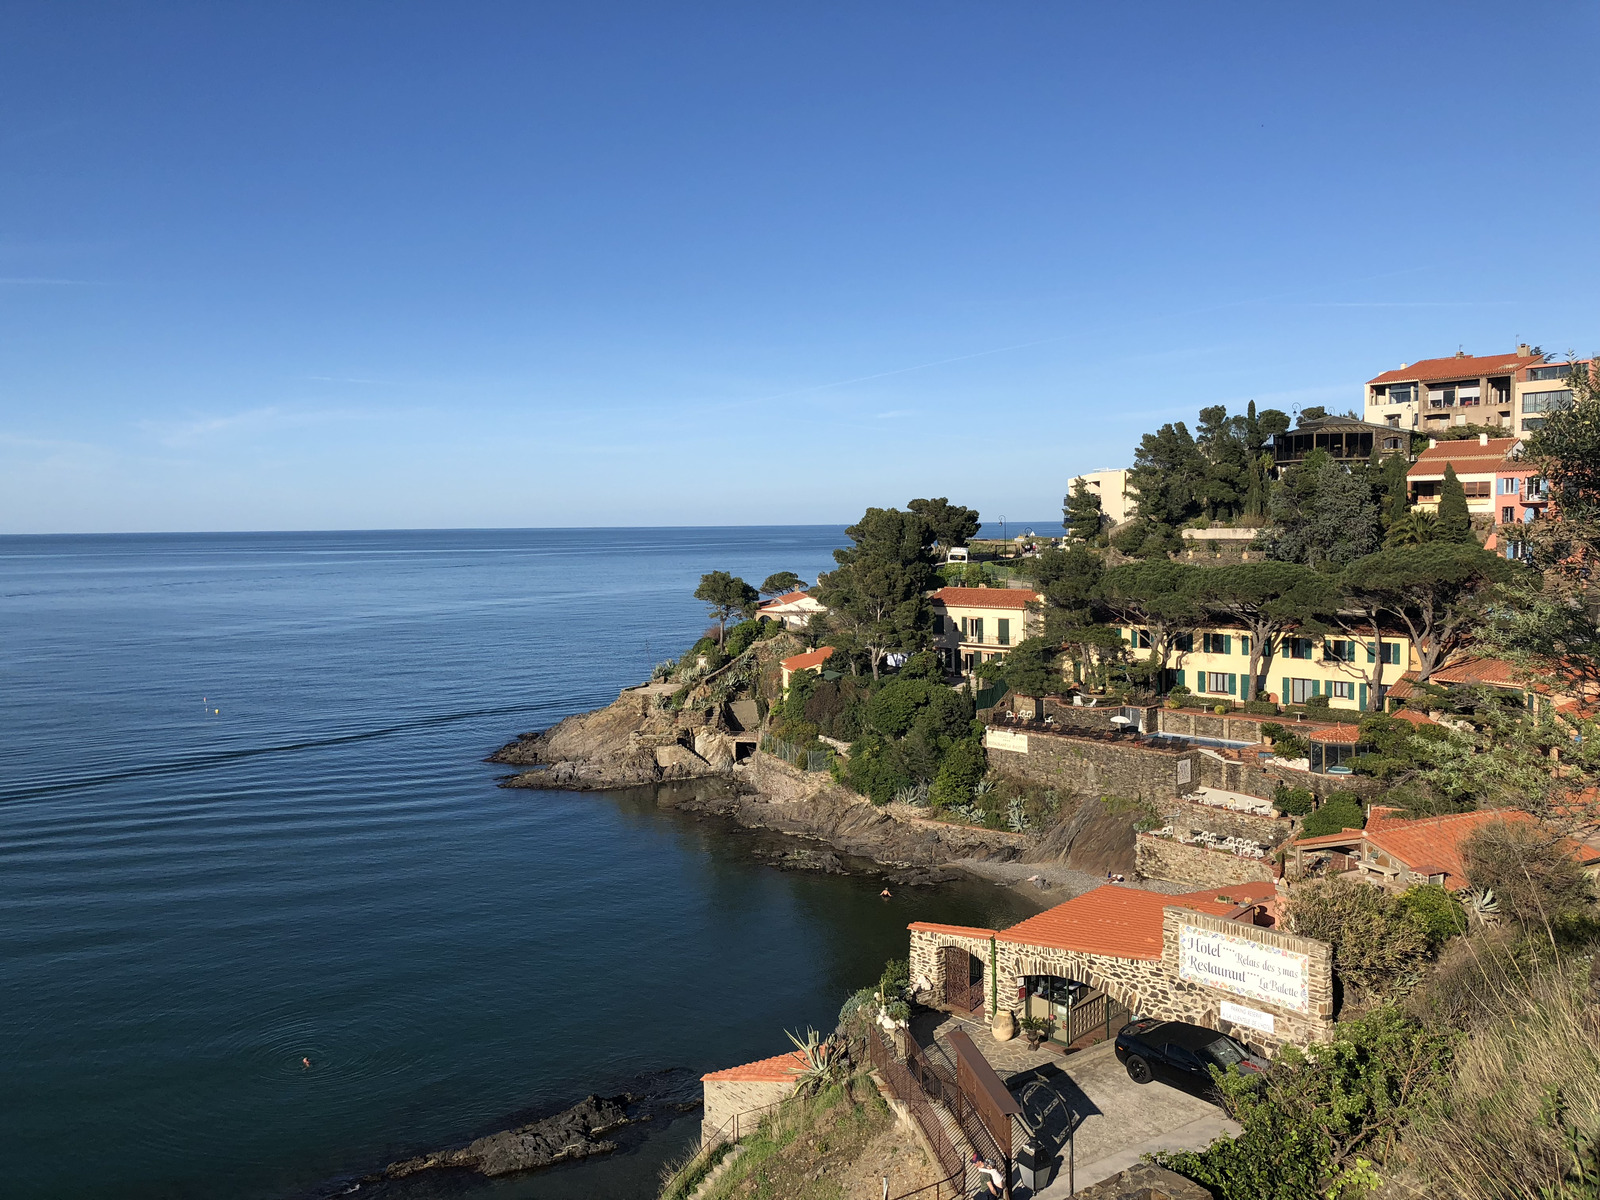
(1227, 643)
(1316, 687)
(1233, 684)
(1283, 696)
(1372, 655)
(1178, 676)
(1363, 697)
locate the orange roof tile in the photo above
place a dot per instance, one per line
(1478, 669)
(1124, 922)
(1406, 714)
(811, 658)
(965, 597)
(1432, 845)
(1438, 370)
(766, 1070)
(1467, 456)
(787, 598)
(1344, 735)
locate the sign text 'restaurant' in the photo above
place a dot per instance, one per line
(1244, 967)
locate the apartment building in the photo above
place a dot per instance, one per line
(972, 626)
(1463, 389)
(1541, 390)
(1216, 662)
(1116, 501)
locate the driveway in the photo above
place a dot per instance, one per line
(1087, 1111)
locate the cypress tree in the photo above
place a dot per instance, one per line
(1454, 524)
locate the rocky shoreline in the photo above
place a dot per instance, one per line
(693, 757)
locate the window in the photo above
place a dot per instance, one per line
(1546, 402)
(1508, 513)
(938, 625)
(1508, 485)
(1391, 654)
(1335, 650)
(1468, 395)
(1219, 682)
(1342, 689)
(1140, 638)
(1530, 424)
(975, 629)
(1004, 634)
(1442, 397)
(1402, 393)
(1184, 643)
(1391, 443)
(1427, 490)
(1297, 647)
(1478, 489)
(1556, 371)
(1216, 643)
(1301, 690)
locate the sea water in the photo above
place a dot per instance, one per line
(245, 821)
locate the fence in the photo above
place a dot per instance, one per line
(796, 756)
(1095, 1015)
(708, 1145)
(909, 1091)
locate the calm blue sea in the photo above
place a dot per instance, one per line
(244, 819)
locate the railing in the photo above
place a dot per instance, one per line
(708, 1145)
(796, 756)
(1097, 1013)
(898, 1078)
(938, 1077)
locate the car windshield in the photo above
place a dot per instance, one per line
(1224, 1052)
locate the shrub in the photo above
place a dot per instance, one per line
(964, 764)
(1293, 802)
(744, 635)
(1379, 944)
(1324, 1114)
(1319, 704)
(1285, 742)
(1436, 911)
(1265, 708)
(1338, 812)
(1537, 882)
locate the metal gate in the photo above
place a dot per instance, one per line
(1094, 1018)
(962, 992)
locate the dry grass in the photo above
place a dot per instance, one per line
(1526, 1088)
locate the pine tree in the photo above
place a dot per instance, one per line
(1454, 524)
(1083, 513)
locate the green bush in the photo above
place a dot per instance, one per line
(1379, 944)
(1285, 742)
(964, 764)
(1436, 911)
(1262, 708)
(744, 635)
(1293, 802)
(1318, 704)
(1339, 812)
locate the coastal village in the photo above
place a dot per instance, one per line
(1292, 717)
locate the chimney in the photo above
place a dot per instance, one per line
(1433, 443)
(1483, 439)
(1523, 350)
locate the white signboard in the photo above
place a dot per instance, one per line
(1250, 1018)
(1185, 770)
(1244, 967)
(1006, 739)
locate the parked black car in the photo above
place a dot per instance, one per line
(1176, 1052)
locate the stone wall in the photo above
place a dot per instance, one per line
(726, 1099)
(1094, 768)
(1148, 987)
(1164, 858)
(1186, 815)
(927, 963)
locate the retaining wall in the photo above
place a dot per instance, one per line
(1163, 858)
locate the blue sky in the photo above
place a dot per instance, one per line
(293, 266)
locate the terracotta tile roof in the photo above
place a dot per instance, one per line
(1339, 735)
(786, 598)
(958, 930)
(1432, 845)
(1123, 922)
(811, 658)
(1438, 370)
(965, 597)
(1403, 688)
(1478, 669)
(766, 1070)
(1467, 456)
(1406, 714)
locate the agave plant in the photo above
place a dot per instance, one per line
(983, 787)
(914, 794)
(1485, 907)
(822, 1061)
(1016, 818)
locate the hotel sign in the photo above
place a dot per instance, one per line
(1006, 739)
(1244, 967)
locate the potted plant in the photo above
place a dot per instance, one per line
(1036, 1029)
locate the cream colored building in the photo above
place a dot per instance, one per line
(972, 626)
(1116, 501)
(1463, 389)
(1216, 662)
(1477, 462)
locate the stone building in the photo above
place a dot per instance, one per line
(744, 1094)
(1208, 957)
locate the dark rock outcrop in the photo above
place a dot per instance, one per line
(571, 1134)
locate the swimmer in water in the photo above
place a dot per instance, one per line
(305, 1064)
(884, 893)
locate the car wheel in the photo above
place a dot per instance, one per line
(1138, 1069)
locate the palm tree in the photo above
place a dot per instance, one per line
(1414, 529)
